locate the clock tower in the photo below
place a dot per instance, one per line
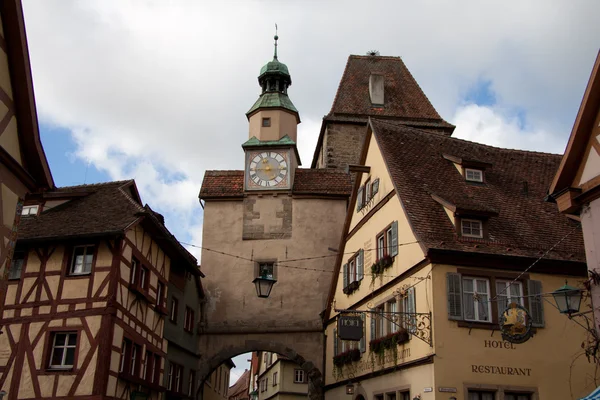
(271, 153)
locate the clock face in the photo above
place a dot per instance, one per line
(268, 169)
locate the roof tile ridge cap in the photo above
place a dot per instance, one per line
(359, 56)
(128, 197)
(216, 172)
(337, 92)
(421, 89)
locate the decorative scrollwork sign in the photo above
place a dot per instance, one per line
(515, 324)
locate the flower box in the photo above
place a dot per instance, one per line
(388, 341)
(346, 357)
(381, 265)
(352, 287)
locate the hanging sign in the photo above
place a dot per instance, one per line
(515, 324)
(350, 327)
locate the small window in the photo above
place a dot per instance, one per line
(174, 307)
(83, 257)
(30, 210)
(134, 360)
(472, 228)
(16, 265)
(479, 395)
(266, 122)
(275, 378)
(178, 373)
(160, 290)
(380, 321)
(393, 320)
(170, 377)
(266, 270)
(63, 350)
(188, 324)
(191, 381)
(381, 247)
(144, 277)
(135, 265)
(124, 346)
(299, 376)
(367, 191)
(476, 296)
(474, 175)
(375, 187)
(155, 369)
(389, 234)
(508, 292)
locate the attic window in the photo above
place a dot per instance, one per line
(471, 228)
(473, 175)
(30, 210)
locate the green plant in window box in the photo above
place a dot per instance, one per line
(352, 287)
(381, 265)
(346, 357)
(389, 342)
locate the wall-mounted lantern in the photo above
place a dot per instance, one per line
(263, 286)
(568, 299)
(350, 389)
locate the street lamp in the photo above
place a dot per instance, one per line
(263, 286)
(568, 299)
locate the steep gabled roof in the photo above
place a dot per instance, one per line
(520, 223)
(404, 98)
(97, 210)
(241, 385)
(230, 184)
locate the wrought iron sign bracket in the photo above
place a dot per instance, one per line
(416, 324)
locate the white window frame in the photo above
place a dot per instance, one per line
(380, 330)
(394, 321)
(123, 354)
(299, 376)
(388, 237)
(85, 254)
(170, 377)
(352, 270)
(476, 175)
(476, 303)
(159, 293)
(506, 291)
(470, 221)
(30, 210)
(133, 359)
(191, 380)
(65, 348)
(178, 378)
(381, 247)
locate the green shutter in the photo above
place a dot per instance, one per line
(335, 342)
(394, 245)
(363, 341)
(536, 303)
(359, 199)
(360, 268)
(345, 276)
(454, 291)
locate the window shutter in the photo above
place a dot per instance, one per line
(536, 305)
(360, 267)
(412, 308)
(345, 275)
(359, 199)
(375, 187)
(335, 342)
(454, 291)
(363, 342)
(394, 246)
(373, 326)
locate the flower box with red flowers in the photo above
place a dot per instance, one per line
(388, 341)
(346, 357)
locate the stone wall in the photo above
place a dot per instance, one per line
(343, 144)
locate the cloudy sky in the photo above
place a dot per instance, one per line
(158, 90)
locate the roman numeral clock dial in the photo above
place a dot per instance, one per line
(268, 170)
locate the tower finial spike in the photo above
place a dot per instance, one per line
(275, 37)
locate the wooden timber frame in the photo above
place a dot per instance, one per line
(103, 308)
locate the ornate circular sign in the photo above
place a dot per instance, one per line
(515, 324)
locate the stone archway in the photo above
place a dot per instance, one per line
(315, 377)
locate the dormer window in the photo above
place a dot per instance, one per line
(473, 175)
(472, 228)
(30, 210)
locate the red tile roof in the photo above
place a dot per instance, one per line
(522, 223)
(404, 99)
(240, 387)
(230, 184)
(98, 210)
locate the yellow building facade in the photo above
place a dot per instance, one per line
(430, 259)
(280, 379)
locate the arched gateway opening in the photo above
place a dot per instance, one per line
(315, 378)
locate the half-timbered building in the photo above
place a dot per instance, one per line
(84, 316)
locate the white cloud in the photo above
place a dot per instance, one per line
(157, 90)
(496, 127)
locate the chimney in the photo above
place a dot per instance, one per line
(376, 89)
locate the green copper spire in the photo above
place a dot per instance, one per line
(274, 79)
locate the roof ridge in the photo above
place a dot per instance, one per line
(368, 56)
(388, 122)
(91, 185)
(128, 197)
